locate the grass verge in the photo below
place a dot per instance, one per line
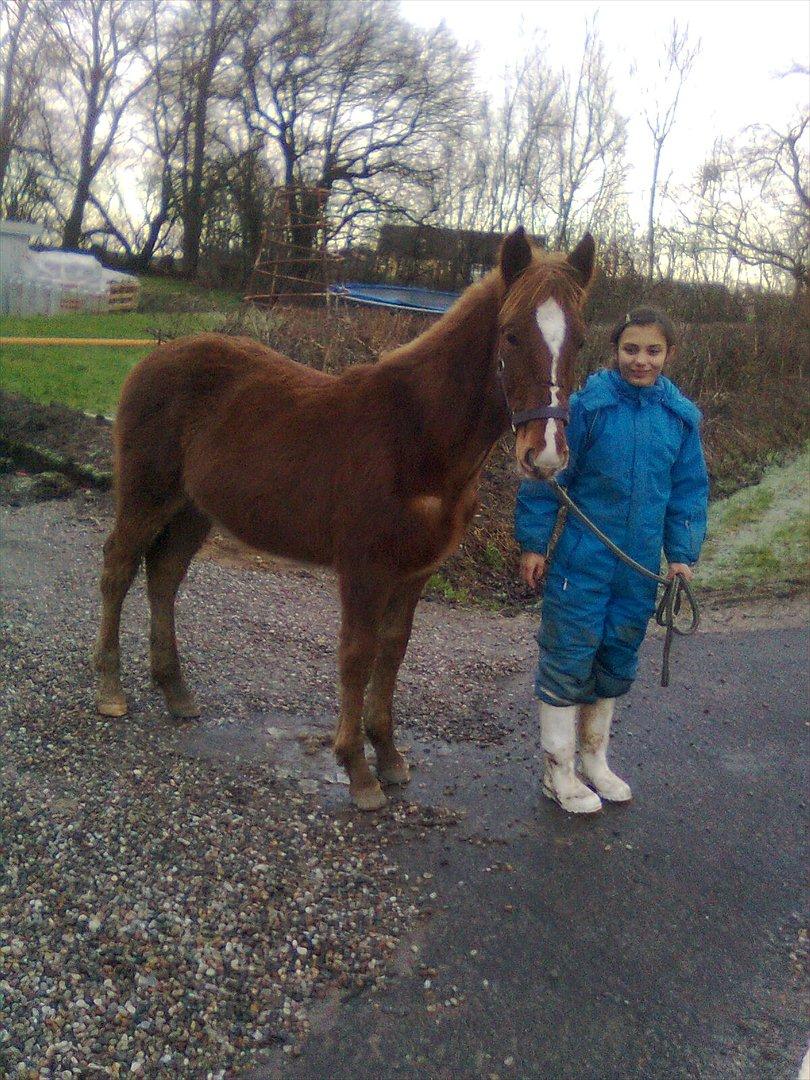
(760, 536)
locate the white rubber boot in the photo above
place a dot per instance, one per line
(594, 733)
(560, 782)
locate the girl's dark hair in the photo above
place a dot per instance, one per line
(644, 316)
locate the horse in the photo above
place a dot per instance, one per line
(373, 472)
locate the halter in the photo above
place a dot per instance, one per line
(540, 412)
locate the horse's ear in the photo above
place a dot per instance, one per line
(581, 260)
(516, 255)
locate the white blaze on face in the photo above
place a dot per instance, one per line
(551, 324)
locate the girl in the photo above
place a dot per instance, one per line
(636, 468)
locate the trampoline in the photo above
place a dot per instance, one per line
(400, 297)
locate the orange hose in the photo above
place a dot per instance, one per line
(140, 343)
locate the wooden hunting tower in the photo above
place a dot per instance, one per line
(293, 265)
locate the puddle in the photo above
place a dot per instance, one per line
(496, 785)
(295, 747)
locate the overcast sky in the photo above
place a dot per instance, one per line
(746, 44)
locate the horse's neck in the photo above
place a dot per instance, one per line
(452, 368)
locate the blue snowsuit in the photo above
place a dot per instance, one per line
(637, 470)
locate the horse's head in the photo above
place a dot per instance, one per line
(540, 331)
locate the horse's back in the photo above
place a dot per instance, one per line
(206, 364)
(191, 379)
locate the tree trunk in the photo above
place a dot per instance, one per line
(141, 261)
(651, 215)
(71, 235)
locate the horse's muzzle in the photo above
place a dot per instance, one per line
(541, 463)
(541, 470)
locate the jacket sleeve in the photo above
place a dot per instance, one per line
(537, 506)
(685, 519)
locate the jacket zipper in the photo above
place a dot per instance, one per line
(570, 559)
(633, 483)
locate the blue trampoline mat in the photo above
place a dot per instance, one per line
(405, 297)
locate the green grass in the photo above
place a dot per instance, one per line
(439, 585)
(760, 537)
(123, 324)
(85, 377)
(749, 508)
(90, 377)
(493, 557)
(170, 294)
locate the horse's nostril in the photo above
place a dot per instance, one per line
(528, 460)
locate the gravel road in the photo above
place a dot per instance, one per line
(198, 899)
(174, 894)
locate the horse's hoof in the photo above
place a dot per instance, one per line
(370, 797)
(180, 701)
(183, 708)
(397, 773)
(111, 705)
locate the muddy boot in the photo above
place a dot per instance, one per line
(594, 732)
(560, 782)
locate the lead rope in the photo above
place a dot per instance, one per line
(675, 588)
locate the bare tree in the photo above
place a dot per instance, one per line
(752, 203)
(673, 69)
(157, 135)
(589, 146)
(355, 102)
(182, 112)
(23, 32)
(527, 125)
(494, 177)
(96, 78)
(205, 37)
(462, 190)
(237, 212)
(549, 155)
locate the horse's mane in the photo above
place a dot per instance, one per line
(472, 312)
(480, 303)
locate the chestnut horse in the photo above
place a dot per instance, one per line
(373, 472)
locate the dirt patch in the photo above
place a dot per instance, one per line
(67, 433)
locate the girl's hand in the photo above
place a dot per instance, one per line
(680, 568)
(532, 568)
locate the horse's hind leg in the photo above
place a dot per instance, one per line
(167, 561)
(394, 634)
(363, 605)
(123, 551)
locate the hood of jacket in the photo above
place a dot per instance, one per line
(607, 387)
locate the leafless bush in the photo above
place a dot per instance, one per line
(328, 339)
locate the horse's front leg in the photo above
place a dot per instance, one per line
(394, 634)
(363, 603)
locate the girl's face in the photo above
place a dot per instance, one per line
(641, 354)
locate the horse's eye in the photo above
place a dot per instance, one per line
(511, 338)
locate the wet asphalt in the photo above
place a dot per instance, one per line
(663, 939)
